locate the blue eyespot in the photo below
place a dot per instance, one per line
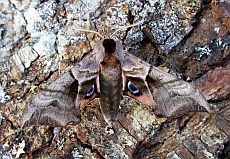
(133, 89)
(90, 92)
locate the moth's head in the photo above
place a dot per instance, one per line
(109, 49)
(109, 45)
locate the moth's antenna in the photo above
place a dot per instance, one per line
(90, 31)
(126, 27)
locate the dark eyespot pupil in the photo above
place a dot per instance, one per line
(133, 89)
(90, 92)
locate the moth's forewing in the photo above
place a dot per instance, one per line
(136, 71)
(54, 105)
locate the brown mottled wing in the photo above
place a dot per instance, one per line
(54, 105)
(172, 97)
(60, 102)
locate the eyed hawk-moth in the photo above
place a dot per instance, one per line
(109, 73)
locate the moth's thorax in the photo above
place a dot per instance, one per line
(109, 61)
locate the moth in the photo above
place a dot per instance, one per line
(108, 73)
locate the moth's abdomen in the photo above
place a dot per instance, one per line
(110, 92)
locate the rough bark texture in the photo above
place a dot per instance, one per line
(39, 41)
